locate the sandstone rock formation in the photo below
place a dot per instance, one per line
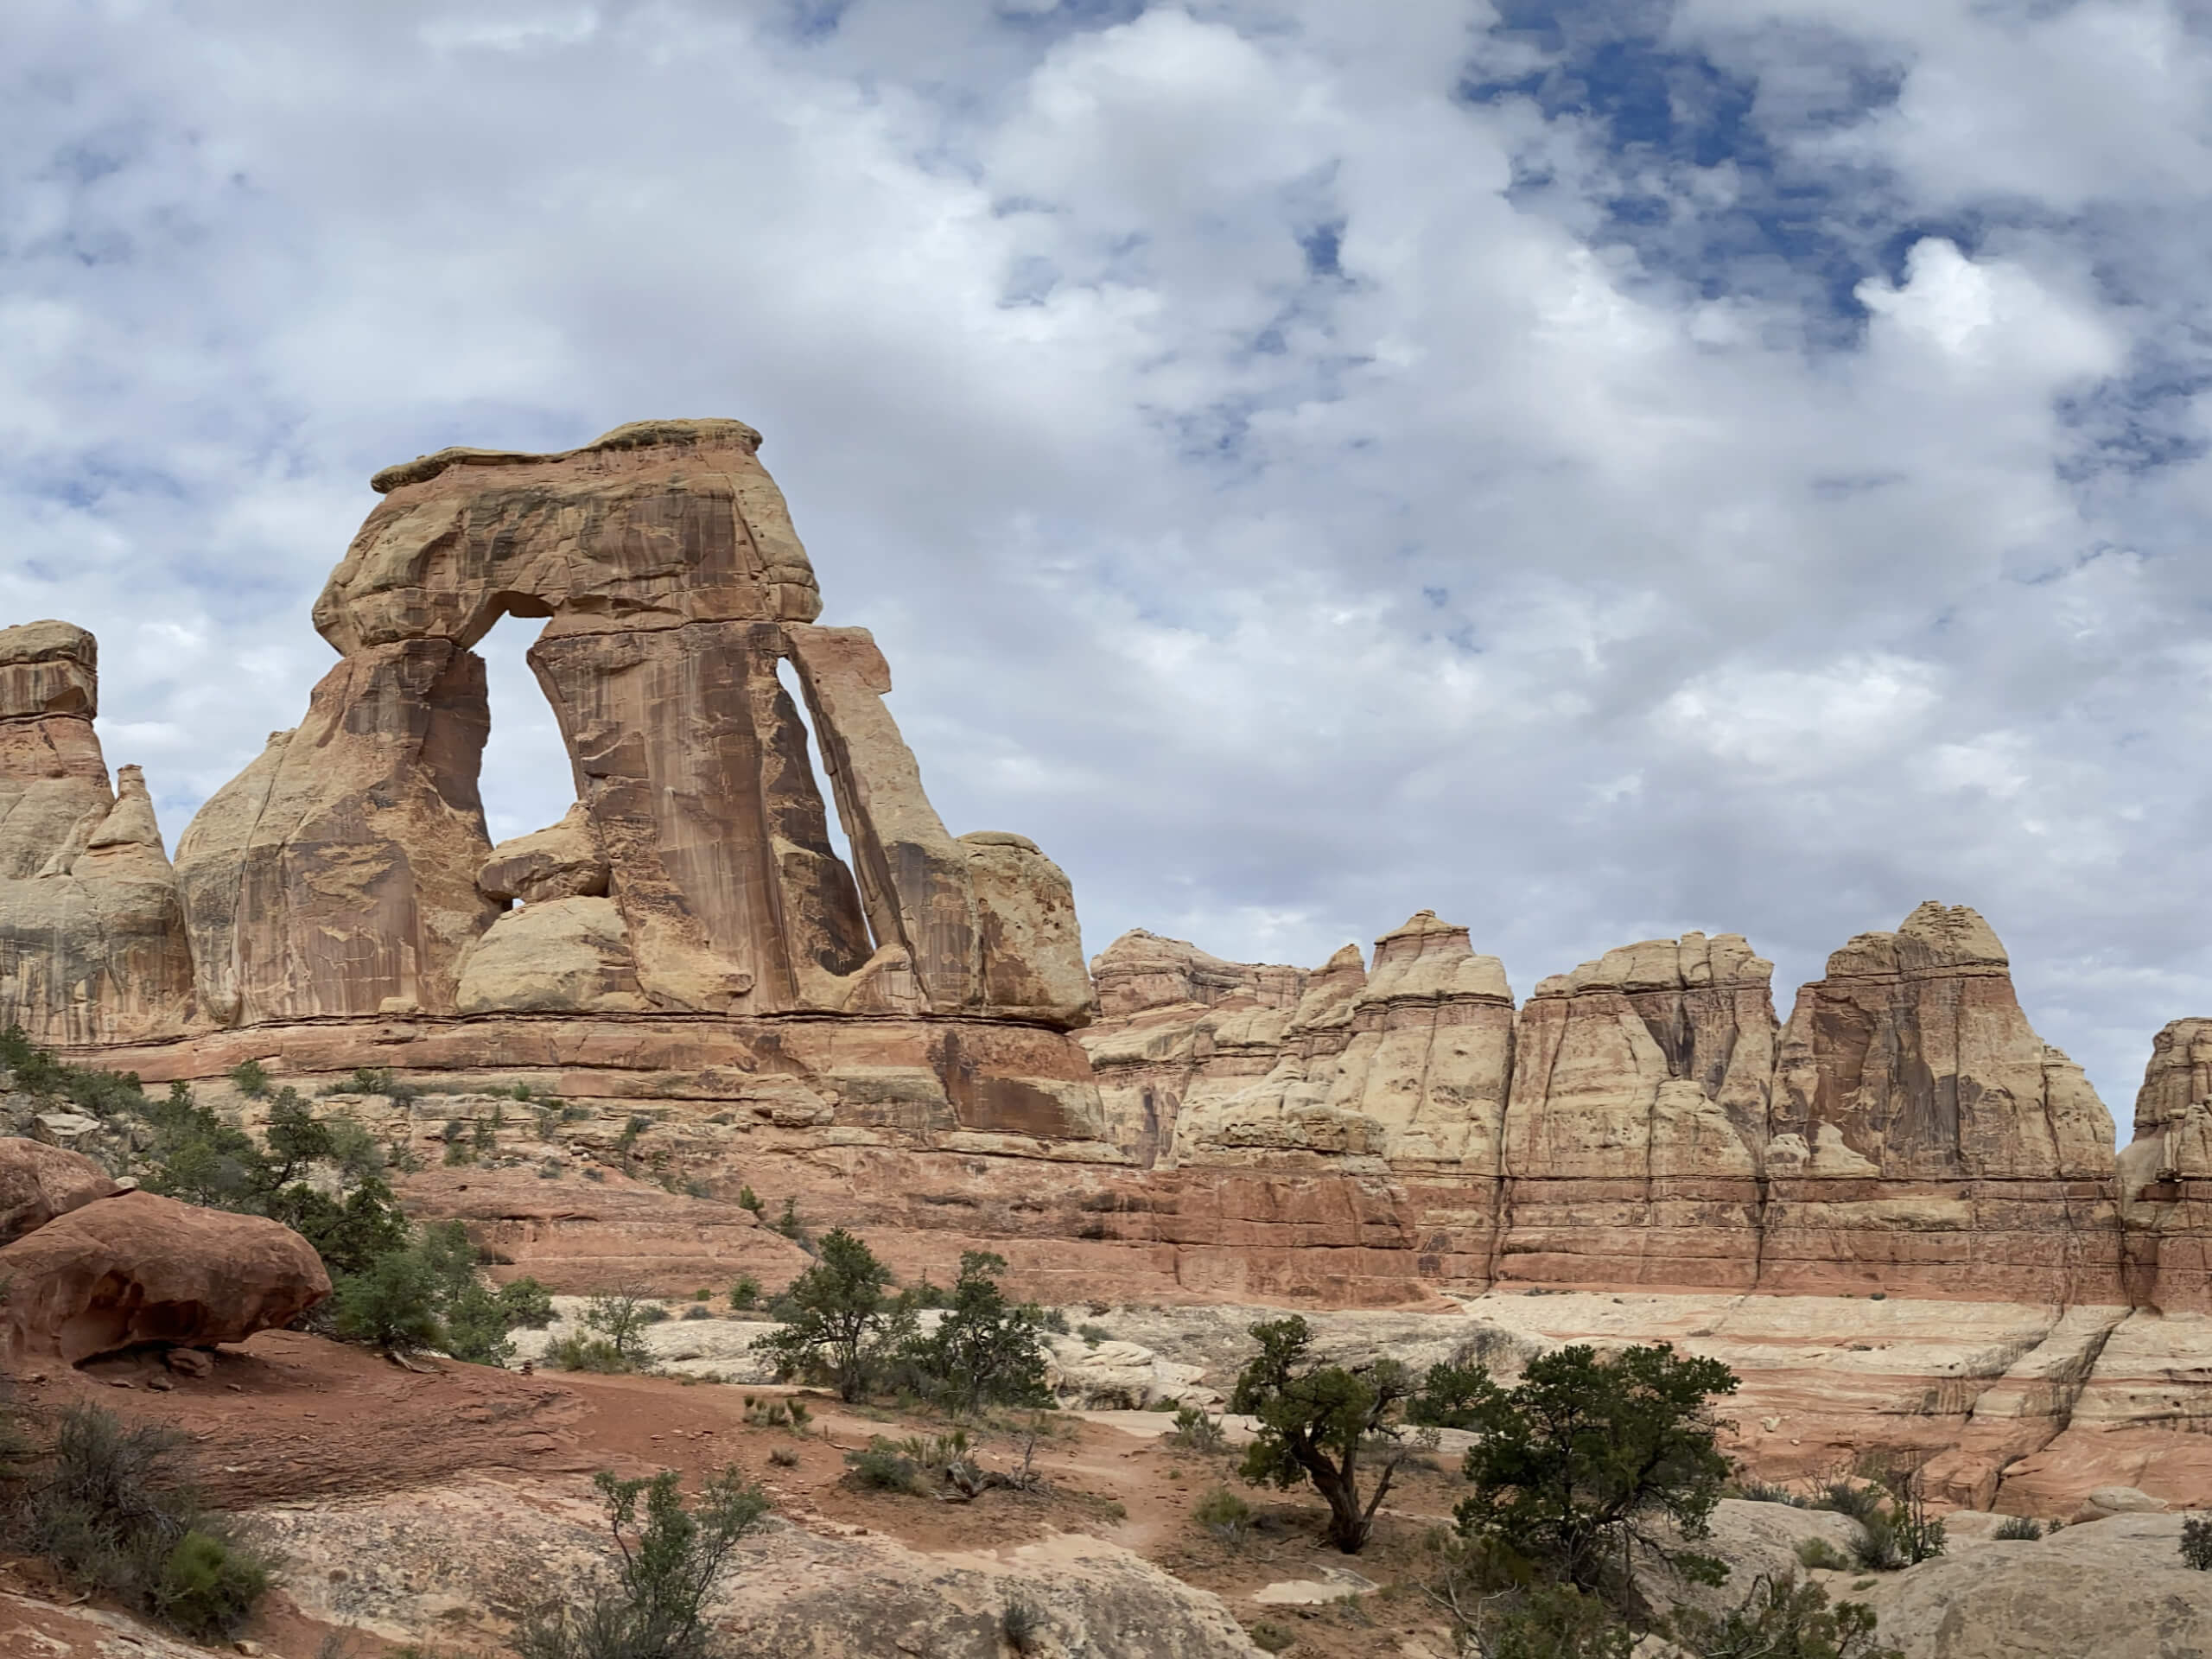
(111, 1269)
(39, 1182)
(1643, 1120)
(91, 938)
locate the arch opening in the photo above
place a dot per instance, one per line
(526, 782)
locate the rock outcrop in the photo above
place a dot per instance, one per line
(93, 1270)
(1642, 1119)
(92, 947)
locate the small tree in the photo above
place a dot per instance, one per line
(1315, 1422)
(621, 1315)
(838, 1315)
(669, 1559)
(985, 1350)
(392, 1305)
(249, 1078)
(2196, 1543)
(1575, 1464)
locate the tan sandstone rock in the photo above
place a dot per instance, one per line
(563, 861)
(92, 947)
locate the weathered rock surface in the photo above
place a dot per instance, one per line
(138, 1268)
(92, 947)
(39, 1182)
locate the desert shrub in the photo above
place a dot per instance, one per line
(1451, 1397)
(104, 1095)
(1546, 1622)
(1223, 1513)
(881, 1466)
(696, 1311)
(251, 1079)
(1896, 1528)
(1765, 1492)
(2196, 1543)
(784, 1457)
(620, 1316)
(745, 1295)
(208, 1586)
(669, 1557)
(1194, 1431)
(748, 1199)
(1820, 1553)
(1023, 1626)
(840, 1318)
(2019, 1528)
(118, 1511)
(1590, 1456)
(1092, 1335)
(374, 1080)
(792, 1228)
(1271, 1638)
(985, 1351)
(1780, 1618)
(578, 1352)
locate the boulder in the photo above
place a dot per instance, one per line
(39, 1182)
(563, 862)
(139, 1268)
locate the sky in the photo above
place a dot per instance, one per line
(1593, 469)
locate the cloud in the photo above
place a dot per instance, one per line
(1593, 470)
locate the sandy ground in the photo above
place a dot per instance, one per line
(288, 1419)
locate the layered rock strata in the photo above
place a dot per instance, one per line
(1644, 1120)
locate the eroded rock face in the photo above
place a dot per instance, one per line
(92, 947)
(345, 872)
(39, 1182)
(138, 1268)
(337, 874)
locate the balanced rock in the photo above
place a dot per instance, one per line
(139, 1268)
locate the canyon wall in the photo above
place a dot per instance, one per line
(906, 1036)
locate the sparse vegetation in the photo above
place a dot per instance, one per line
(249, 1078)
(1092, 1335)
(1271, 1638)
(1780, 1618)
(745, 1295)
(1224, 1515)
(669, 1557)
(2019, 1528)
(1023, 1626)
(1195, 1430)
(2196, 1543)
(116, 1509)
(881, 1466)
(1820, 1554)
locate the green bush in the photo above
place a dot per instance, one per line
(1820, 1553)
(208, 1587)
(2196, 1543)
(249, 1078)
(1195, 1431)
(1549, 1622)
(1271, 1638)
(1781, 1619)
(118, 1512)
(393, 1305)
(2019, 1528)
(881, 1466)
(1092, 1335)
(745, 1295)
(1223, 1513)
(583, 1353)
(1023, 1626)
(669, 1560)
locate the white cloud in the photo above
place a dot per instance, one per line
(1295, 493)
